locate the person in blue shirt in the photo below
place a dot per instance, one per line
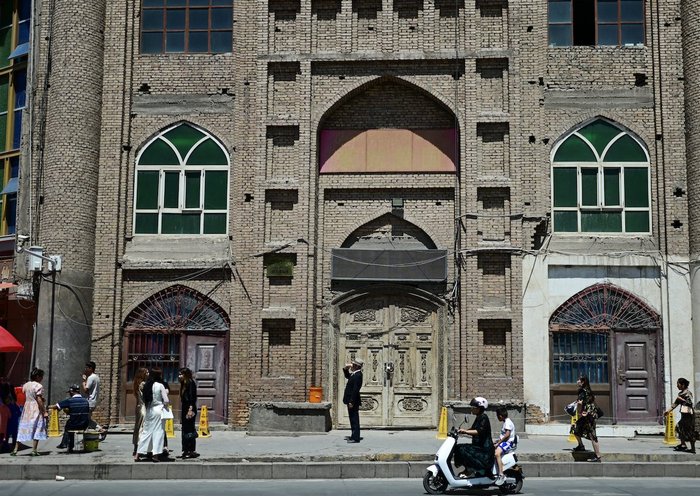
(78, 409)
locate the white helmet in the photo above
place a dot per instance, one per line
(479, 401)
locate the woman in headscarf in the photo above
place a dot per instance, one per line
(188, 413)
(155, 398)
(140, 410)
(587, 414)
(686, 426)
(479, 455)
(32, 424)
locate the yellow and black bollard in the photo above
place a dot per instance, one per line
(53, 430)
(670, 431)
(204, 423)
(442, 425)
(572, 438)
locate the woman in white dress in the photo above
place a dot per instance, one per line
(152, 436)
(32, 425)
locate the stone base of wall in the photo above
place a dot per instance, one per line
(289, 417)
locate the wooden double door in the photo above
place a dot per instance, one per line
(396, 336)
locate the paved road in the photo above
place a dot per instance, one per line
(356, 487)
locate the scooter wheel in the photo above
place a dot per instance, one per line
(512, 488)
(434, 484)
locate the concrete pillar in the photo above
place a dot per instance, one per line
(59, 215)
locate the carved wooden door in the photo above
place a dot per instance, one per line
(395, 336)
(206, 357)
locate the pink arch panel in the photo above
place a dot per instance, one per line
(388, 150)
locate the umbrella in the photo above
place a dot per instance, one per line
(8, 343)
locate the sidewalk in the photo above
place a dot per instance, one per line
(382, 453)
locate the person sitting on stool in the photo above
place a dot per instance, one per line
(78, 410)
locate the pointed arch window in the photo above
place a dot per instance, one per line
(155, 328)
(182, 184)
(581, 326)
(600, 181)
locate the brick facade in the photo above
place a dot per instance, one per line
(297, 67)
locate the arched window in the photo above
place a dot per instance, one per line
(581, 326)
(182, 184)
(600, 181)
(158, 328)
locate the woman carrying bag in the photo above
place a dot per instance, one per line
(686, 426)
(588, 412)
(152, 436)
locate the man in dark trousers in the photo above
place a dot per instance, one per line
(351, 397)
(79, 410)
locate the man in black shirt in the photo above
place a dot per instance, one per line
(79, 410)
(351, 397)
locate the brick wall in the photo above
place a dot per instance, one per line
(297, 66)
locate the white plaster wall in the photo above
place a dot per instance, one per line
(549, 281)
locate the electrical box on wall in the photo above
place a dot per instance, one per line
(34, 263)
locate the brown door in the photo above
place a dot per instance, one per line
(206, 357)
(636, 377)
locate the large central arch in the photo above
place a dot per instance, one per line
(388, 126)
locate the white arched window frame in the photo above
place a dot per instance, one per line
(601, 189)
(175, 195)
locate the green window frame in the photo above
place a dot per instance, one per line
(181, 182)
(601, 182)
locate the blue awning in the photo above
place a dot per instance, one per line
(11, 187)
(22, 49)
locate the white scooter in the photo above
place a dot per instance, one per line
(441, 476)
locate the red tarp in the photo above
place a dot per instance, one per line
(8, 343)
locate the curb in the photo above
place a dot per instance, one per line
(324, 470)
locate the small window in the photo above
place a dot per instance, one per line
(187, 26)
(600, 182)
(182, 184)
(596, 22)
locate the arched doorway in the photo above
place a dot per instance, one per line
(396, 333)
(613, 337)
(179, 327)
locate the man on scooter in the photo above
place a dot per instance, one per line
(477, 456)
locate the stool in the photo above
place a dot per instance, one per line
(90, 439)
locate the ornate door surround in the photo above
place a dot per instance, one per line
(397, 334)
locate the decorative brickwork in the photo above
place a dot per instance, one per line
(299, 67)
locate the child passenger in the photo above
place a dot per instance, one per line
(505, 443)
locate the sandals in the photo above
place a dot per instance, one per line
(595, 459)
(13, 453)
(34, 453)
